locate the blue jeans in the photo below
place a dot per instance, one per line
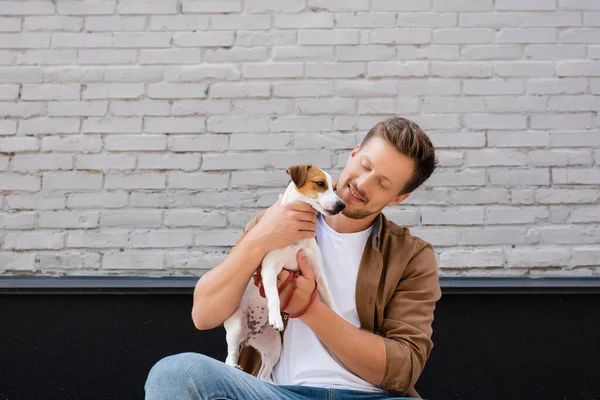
(194, 376)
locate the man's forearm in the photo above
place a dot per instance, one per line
(360, 351)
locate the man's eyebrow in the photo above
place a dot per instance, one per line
(382, 176)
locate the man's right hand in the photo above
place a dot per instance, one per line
(282, 225)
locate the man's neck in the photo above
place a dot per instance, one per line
(342, 224)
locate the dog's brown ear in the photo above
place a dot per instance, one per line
(298, 174)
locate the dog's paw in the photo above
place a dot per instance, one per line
(275, 320)
(238, 366)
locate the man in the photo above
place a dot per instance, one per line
(383, 280)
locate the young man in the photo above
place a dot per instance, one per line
(383, 280)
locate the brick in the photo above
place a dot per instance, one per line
(463, 5)
(134, 74)
(563, 235)
(139, 108)
(450, 216)
(326, 106)
(18, 144)
(572, 176)
(584, 35)
(34, 240)
(204, 142)
(260, 141)
(71, 180)
(73, 74)
(77, 109)
(574, 103)
(23, 109)
(585, 256)
(315, 141)
(461, 69)
(81, 40)
(464, 36)
(299, 53)
(557, 86)
(363, 20)
(194, 260)
(139, 180)
(145, 7)
(583, 5)
(185, 162)
(365, 89)
(398, 69)
(537, 257)
(577, 68)
(69, 144)
(4, 163)
(492, 236)
(232, 161)
(114, 23)
(303, 89)
(522, 196)
(41, 162)
(238, 124)
(99, 91)
(456, 178)
(202, 73)
(304, 20)
(274, 6)
(489, 20)
(263, 107)
(21, 74)
(104, 162)
(203, 39)
(452, 104)
(135, 142)
(335, 6)
(68, 219)
(9, 92)
(10, 24)
(111, 125)
(449, 158)
(273, 70)
(334, 70)
(17, 261)
(133, 260)
(433, 52)
(532, 35)
(37, 201)
(97, 200)
(176, 22)
(516, 104)
(211, 6)
(566, 196)
(556, 19)
(403, 217)
(197, 180)
(96, 240)
(259, 179)
(161, 239)
(518, 177)
(428, 87)
(516, 215)
(487, 52)
(496, 157)
(517, 139)
(189, 199)
(131, 219)
(141, 39)
(239, 90)
(24, 41)
(52, 23)
(365, 53)
(86, 7)
(591, 18)
(170, 56)
(484, 258)
(524, 68)
(17, 220)
(384, 106)
(400, 36)
(594, 52)
(113, 56)
(225, 238)
(585, 214)
(240, 22)
(46, 57)
(515, 5)
(173, 125)
(327, 37)
(266, 39)
(493, 86)
(193, 218)
(197, 107)
(562, 121)
(237, 54)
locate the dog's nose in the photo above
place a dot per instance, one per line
(339, 206)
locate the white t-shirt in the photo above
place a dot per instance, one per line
(304, 359)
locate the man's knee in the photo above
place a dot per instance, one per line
(178, 372)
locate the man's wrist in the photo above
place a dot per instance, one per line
(313, 312)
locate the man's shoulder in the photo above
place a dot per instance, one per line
(400, 238)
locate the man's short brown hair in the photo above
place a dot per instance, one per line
(409, 139)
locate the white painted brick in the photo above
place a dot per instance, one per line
(187, 199)
(524, 68)
(582, 35)
(585, 256)
(574, 103)
(17, 261)
(434, 52)
(273, 70)
(269, 39)
(204, 142)
(403, 217)
(23, 109)
(398, 69)
(516, 104)
(21, 74)
(224, 238)
(263, 107)
(134, 74)
(364, 20)
(557, 86)
(240, 22)
(472, 258)
(327, 37)
(428, 87)
(537, 257)
(173, 125)
(577, 68)
(561, 121)
(239, 90)
(238, 124)
(381, 106)
(238, 54)
(400, 36)
(591, 18)
(185, 162)
(365, 53)
(585, 214)
(259, 179)
(557, 19)
(305, 20)
(336, 6)
(10, 24)
(237, 219)
(299, 53)
(516, 215)
(566, 196)
(489, 20)
(452, 104)
(594, 52)
(519, 177)
(251, 141)
(574, 139)
(449, 177)
(321, 141)
(4, 163)
(303, 89)
(133, 260)
(17, 220)
(97, 91)
(492, 236)
(334, 70)
(518, 139)
(111, 125)
(141, 39)
(52, 23)
(493, 86)
(532, 35)
(197, 180)
(18, 144)
(211, 6)
(161, 239)
(463, 5)
(427, 20)
(170, 56)
(131, 219)
(461, 69)
(97, 200)
(24, 41)
(73, 74)
(326, 106)
(104, 162)
(205, 72)
(148, 7)
(81, 40)
(567, 235)
(41, 162)
(357, 89)
(71, 181)
(516, 5)
(487, 52)
(37, 201)
(448, 158)
(68, 219)
(75, 143)
(582, 176)
(113, 56)
(135, 142)
(139, 180)
(77, 109)
(9, 92)
(452, 216)
(176, 22)
(496, 157)
(193, 218)
(96, 240)
(522, 196)
(34, 240)
(274, 6)
(203, 39)
(86, 7)
(193, 260)
(464, 36)
(139, 108)
(114, 23)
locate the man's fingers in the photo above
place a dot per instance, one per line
(303, 264)
(301, 206)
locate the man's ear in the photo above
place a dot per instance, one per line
(298, 174)
(398, 199)
(353, 152)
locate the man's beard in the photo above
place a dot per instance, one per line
(356, 214)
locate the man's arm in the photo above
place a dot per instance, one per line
(218, 292)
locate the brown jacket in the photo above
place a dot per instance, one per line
(396, 291)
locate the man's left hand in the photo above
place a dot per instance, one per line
(305, 285)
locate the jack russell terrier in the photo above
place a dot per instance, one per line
(257, 319)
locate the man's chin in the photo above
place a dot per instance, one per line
(355, 214)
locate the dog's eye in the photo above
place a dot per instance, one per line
(320, 184)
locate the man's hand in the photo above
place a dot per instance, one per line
(282, 225)
(305, 285)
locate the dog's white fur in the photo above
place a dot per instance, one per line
(257, 320)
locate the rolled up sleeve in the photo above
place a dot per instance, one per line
(408, 318)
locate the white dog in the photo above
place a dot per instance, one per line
(257, 320)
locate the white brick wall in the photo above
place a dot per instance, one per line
(137, 137)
